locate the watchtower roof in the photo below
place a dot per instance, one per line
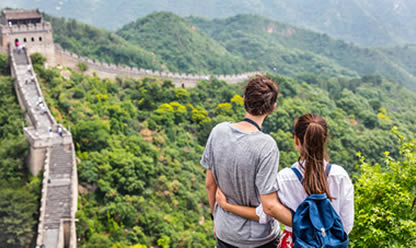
(21, 16)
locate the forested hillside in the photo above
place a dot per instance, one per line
(86, 40)
(404, 56)
(181, 45)
(274, 46)
(366, 22)
(19, 192)
(233, 45)
(139, 143)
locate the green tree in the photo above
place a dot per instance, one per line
(383, 201)
(82, 67)
(18, 209)
(92, 135)
(99, 241)
(4, 64)
(37, 59)
(224, 109)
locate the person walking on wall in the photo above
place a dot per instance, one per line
(243, 161)
(310, 136)
(59, 130)
(17, 43)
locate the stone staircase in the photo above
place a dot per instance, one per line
(51, 152)
(20, 57)
(58, 205)
(60, 165)
(41, 121)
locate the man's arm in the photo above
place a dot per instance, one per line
(211, 187)
(273, 207)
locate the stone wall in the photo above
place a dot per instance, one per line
(46, 150)
(31, 115)
(44, 193)
(104, 70)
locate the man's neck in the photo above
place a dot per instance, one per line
(248, 127)
(256, 118)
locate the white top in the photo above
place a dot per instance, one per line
(291, 194)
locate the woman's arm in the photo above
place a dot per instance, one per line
(243, 211)
(211, 187)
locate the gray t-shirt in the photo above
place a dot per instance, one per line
(244, 166)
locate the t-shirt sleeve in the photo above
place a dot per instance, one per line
(266, 177)
(206, 159)
(263, 217)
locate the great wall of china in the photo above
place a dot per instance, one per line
(104, 70)
(52, 151)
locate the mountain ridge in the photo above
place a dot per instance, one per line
(165, 41)
(387, 22)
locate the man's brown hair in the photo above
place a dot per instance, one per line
(260, 95)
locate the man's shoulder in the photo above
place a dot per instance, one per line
(266, 144)
(222, 125)
(220, 128)
(268, 139)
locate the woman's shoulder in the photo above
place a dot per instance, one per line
(339, 176)
(287, 173)
(338, 171)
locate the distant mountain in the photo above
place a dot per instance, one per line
(366, 22)
(273, 46)
(404, 56)
(164, 41)
(181, 45)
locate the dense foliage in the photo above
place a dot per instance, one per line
(404, 56)
(139, 143)
(19, 192)
(4, 64)
(181, 45)
(385, 201)
(366, 22)
(99, 44)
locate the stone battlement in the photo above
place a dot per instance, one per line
(105, 70)
(38, 27)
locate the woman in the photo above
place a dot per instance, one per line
(310, 134)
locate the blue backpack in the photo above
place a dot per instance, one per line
(316, 224)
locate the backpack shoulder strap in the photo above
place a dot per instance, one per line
(297, 173)
(328, 169)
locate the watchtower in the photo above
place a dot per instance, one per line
(27, 28)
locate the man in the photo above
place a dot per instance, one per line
(243, 162)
